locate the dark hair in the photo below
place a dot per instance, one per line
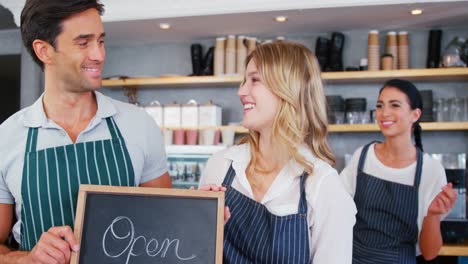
(42, 19)
(415, 101)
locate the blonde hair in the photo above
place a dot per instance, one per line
(292, 73)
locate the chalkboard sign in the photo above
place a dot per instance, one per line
(148, 225)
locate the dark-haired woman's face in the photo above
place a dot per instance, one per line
(394, 114)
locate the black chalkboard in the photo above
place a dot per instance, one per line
(148, 225)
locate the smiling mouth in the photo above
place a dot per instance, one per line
(94, 72)
(249, 106)
(387, 123)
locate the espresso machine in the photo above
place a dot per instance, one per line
(455, 226)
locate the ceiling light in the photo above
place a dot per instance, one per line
(165, 26)
(416, 12)
(281, 19)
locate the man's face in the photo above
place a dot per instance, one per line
(79, 52)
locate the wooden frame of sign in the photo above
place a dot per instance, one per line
(114, 233)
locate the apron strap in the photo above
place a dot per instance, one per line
(362, 158)
(229, 177)
(302, 200)
(417, 176)
(31, 141)
(113, 129)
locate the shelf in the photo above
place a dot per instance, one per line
(430, 126)
(454, 250)
(175, 81)
(441, 74)
(344, 128)
(193, 149)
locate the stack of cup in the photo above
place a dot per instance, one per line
(391, 48)
(373, 51)
(403, 52)
(251, 44)
(219, 56)
(241, 55)
(230, 59)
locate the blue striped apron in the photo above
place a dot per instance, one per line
(386, 229)
(254, 235)
(51, 179)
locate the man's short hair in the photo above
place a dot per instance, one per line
(42, 19)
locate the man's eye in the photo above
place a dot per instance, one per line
(379, 106)
(82, 44)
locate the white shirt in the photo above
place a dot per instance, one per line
(142, 137)
(330, 209)
(432, 178)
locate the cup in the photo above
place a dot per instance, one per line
(403, 50)
(373, 50)
(251, 44)
(191, 136)
(217, 137)
(465, 107)
(391, 47)
(167, 133)
(179, 137)
(230, 55)
(387, 62)
(207, 136)
(219, 54)
(241, 55)
(456, 106)
(339, 117)
(228, 136)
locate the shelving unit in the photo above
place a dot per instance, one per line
(454, 250)
(441, 74)
(344, 128)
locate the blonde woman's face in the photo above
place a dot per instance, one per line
(260, 104)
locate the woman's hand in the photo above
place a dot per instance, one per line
(443, 202)
(216, 188)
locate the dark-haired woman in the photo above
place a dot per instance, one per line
(400, 192)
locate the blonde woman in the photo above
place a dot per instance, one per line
(287, 203)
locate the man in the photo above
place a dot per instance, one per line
(71, 135)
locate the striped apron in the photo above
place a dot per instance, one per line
(386, 229)
(254, 235)
(51, 179)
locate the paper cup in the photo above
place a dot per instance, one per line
(167, 133)
(228, 136)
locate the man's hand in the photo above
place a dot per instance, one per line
(54, 247)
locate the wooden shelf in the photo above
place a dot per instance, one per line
(345, 128)
(454, 250)
(441, 74)
(237, 129)
(431, 126)
(176, 81)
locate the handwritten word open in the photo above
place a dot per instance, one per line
(128, 242)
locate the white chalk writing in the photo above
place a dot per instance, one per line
(134, 246)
